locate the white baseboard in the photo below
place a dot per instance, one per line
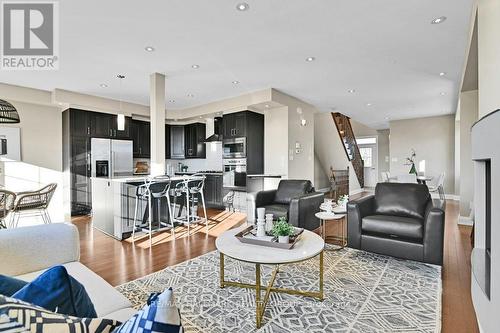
(465, 220)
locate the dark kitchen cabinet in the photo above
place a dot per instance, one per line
(235, 125)
(140, 133)
(213, 191)
(177, 138)
(194, 140)
(167, 142)
(104, 125)
(80, 123)
(76, 161)
(250, 125)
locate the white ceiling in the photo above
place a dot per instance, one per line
(386, 50)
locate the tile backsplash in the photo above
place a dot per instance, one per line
(213, 161)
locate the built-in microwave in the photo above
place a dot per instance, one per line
(234, 148)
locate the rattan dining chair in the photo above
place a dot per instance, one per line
(7, 199)
(33, 203)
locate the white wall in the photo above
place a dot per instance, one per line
(468, 115)
(433, 140)
(276, 141)
(384, 154)
(300, 163)
(41, 155)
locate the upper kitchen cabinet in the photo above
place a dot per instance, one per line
(140, 133)
(235, 125)
(80, 122)
(177, 138)
(194, 140)
(104, 125)
(250, 125)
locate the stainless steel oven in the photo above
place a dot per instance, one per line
(235, 173)
(234, 148)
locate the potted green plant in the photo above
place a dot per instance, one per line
(282, 230)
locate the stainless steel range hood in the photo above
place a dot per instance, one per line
(217, 136)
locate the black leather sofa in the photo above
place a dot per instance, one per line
(294, 199)
(400, 220)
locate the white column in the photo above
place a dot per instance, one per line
(157, 113)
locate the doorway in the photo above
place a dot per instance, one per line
(369, 153)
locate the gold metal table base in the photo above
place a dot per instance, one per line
(261, 303)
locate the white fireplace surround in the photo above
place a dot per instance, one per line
(485, 141)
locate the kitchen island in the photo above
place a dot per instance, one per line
(113, 204)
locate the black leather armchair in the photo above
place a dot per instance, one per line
(400, 220)
(294, 199)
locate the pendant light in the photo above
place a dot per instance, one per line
(121, 117)
(8, 113)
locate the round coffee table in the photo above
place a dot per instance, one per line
(324, 216)
(308, 246)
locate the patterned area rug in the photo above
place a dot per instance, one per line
(364, 292)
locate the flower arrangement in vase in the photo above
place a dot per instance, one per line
(343, 200)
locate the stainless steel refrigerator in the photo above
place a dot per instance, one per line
(111, 158)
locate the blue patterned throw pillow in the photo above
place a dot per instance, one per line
(18, 316)
(57, 291)
(159, 315)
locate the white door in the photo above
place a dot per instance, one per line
(369, 155)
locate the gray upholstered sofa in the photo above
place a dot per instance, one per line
(294, 199)
(400, 220)
(26, 252)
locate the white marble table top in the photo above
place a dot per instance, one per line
(308, 246)
(328, 216)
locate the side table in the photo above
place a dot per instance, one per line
(324, 216)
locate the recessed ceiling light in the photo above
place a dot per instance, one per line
(350, 91)
(60, 103)
(267, 106)
(103, 85)
(368, 104)
(190, 95)
(242, 6)
(236, 82)
(195, 66)
(442, 74)
(149, 48)
(442, 93)
(438, 20)
(387, 118)
(309, 59)
(171, 100)
(201, 117)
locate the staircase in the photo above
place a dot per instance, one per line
(343, 124)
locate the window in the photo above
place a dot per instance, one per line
(366, 141)
(366, 155)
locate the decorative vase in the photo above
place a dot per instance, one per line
(269, 224)
(284, 239)
(261, 228)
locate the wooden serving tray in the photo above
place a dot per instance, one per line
(272, 242)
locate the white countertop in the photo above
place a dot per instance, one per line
(308, 246)
(265, 176)
(137, 178)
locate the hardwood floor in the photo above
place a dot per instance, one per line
(119, 262)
